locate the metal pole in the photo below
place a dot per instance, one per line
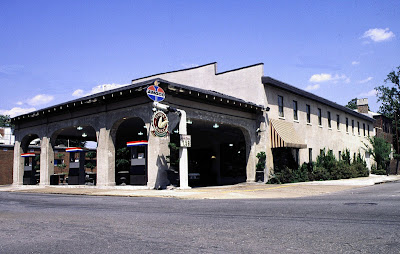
(183, 154)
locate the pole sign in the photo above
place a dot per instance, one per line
(186, 140)
(155, 93)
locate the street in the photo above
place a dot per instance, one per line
(363, 220)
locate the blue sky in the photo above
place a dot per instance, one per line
(54, 51)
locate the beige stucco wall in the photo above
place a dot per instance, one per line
(319, 136)
(244, 83)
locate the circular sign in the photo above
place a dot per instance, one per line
(159, 123)
(155, 93)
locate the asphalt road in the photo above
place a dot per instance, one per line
(363, 220)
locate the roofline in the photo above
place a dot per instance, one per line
(138, 87)
(298, 91)
(237, 69)
(162, 73)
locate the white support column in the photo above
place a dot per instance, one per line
(251, 159)
(105, 159)
(18, 168)
(183, 154)
(46, 161)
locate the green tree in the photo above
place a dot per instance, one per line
(380, 151)
(389, 96)
(352, 104)
(4, 121)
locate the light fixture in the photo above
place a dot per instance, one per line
(144, 126)
(189, 121)
(84, 135)
(124, 118)
(213, 157)
(238, 151)
(215, 126)
(231, 145)
(140, 133)
(176, 131)
(79, 128)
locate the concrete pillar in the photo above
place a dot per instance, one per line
(105, 158)
(157, 152)
(46, 161)
(18, 167)
(251, 156)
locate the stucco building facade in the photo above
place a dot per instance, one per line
(232, 116)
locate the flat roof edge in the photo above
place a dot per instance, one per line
(298, 91)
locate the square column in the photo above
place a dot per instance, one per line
(46, 161)
(18, 167)
(157, 165)
(251, 157)
(105, 159)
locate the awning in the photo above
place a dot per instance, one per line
(283, 134)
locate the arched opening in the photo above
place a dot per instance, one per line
(30, 146)
(75, 156)
(131, 152)
(217, 155)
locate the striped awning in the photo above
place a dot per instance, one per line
(283, 134)
(28, 155)
(137, 143)
(74, 149)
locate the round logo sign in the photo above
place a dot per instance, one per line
(159, 123)
(155, 93)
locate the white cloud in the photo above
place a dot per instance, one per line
(324, 77)
(379, 34)
(371, 93)
(365, 80)
(10, 69)
(105, 87)
(19, 103)
(312, 87)
(16, 111)
(97, 89)
(78, 93)
(40, 99)
(355, 63)
(320, 77)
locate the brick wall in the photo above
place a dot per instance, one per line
(6, 165)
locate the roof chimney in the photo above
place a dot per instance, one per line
(362, 106)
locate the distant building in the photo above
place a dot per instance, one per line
(6, 136)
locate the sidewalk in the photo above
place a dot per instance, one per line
(238, 191)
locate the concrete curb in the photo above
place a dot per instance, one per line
(239, 191)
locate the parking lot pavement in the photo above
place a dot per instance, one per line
(238, 191)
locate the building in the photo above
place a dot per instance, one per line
(231, 117)
(6, 136)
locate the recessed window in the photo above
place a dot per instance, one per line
(310, 155)
(347, 124)
(329, 120)
(358, 127)
(319, 117)
(280, 105)
(340, 155)
(364, 129)
(308, 110)
(352, 126)
(295, 115)
(368, 130)
(338, 122)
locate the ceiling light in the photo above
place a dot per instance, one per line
(176, 131)
(215, 126)
(84, 135)
(140, 133)
(189, 121)
(230, 144)
(79, 128)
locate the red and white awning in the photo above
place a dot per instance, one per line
(28, 155)
(74, 149)
(137, 143)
